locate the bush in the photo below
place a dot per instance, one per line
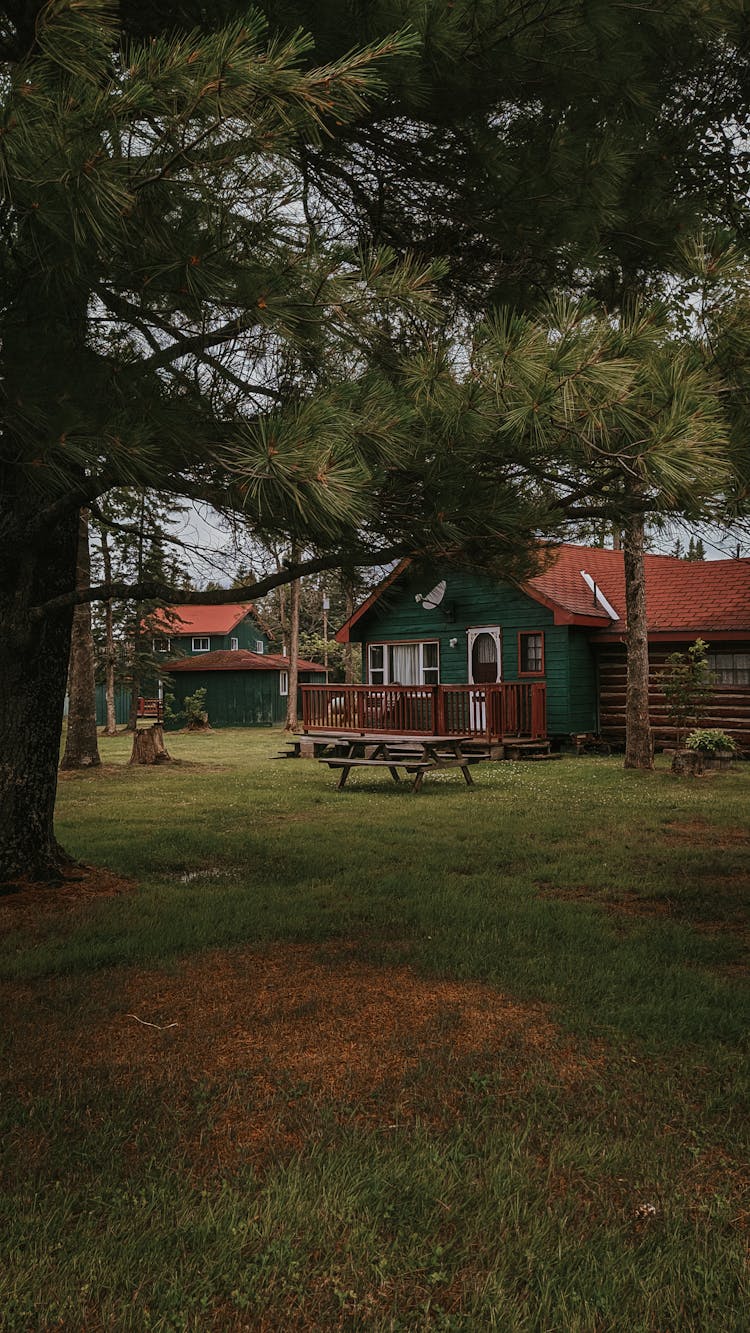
(687, 682)
(710, 741)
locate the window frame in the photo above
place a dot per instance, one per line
(386, 645)
(284, 684)
(201, 638)
(734, 683)
(234, 644)
(260, 647)
(530, 634)
(157, 648)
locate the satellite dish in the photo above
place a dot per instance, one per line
(434, 597)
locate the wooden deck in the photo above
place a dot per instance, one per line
(495, 713)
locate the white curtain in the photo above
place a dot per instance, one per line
(405, 664)
(485, 648)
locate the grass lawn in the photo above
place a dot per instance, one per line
(309, 1059)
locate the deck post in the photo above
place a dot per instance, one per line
(438, 710)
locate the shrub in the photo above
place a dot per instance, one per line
(687, 681)
(710, 740)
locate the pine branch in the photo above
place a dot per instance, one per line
(163, 592)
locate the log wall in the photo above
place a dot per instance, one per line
(728, 707)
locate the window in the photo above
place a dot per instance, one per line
(376, 661)
(259, 646)
(730, 668)
(403, 663)
(234, 644)
(201, 645)
(530, 654)
(430, 664)
(283, 682)
(162, 645)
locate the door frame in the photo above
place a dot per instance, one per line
(472, 635)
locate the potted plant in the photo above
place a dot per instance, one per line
(713, 745)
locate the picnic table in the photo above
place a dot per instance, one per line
(416, 755)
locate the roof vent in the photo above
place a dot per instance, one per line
(599, 595)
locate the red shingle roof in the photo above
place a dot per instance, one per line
(201, 619)
(239, 659)
(691, 595)
(695, 596)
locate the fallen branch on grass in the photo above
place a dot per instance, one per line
(146, 1024)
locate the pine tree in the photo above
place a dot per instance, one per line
(81, 746)
(120, 335)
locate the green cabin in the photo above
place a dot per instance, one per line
(192, 631)
(563, 628)
(189, 631)
(461, 628)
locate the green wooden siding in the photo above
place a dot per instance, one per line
(237, 698)
(583, 687)
(472, 601)
(122, 706)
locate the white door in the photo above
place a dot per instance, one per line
(485, 668)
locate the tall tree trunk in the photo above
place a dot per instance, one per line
(135, 682)
(81, 749)
(291, 703)
(110, 728)
(33, 670)
(348, 651)
(639, 745)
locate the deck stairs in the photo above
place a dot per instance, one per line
(510, 747)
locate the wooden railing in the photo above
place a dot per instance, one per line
(151, 708)
(515, 708)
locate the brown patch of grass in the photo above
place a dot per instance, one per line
(98, 771)
(31, 906)
(701, 832)
(273, 1037)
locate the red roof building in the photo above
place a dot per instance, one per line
(201, 619)
(564, 629)
(240, 660)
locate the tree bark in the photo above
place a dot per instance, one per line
(110, 728)
(33, 670)
(348, 653)
(149, 747)
(135, 684)
(639, 745)
(81, 749)
(291, 703)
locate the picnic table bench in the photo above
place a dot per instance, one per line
(416, 755)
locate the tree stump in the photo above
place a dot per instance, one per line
(149, 747)
(688, 763)
(199, 723)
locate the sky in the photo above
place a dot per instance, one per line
(212, 557)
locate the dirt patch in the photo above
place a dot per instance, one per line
(98, 771)
(628, 904)
(275, 1038)
(699, 831)
(33, 905)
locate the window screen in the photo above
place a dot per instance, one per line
(531, 654)
(730, 668)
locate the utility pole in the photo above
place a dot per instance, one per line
(326, 608)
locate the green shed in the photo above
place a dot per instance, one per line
(243, 689)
